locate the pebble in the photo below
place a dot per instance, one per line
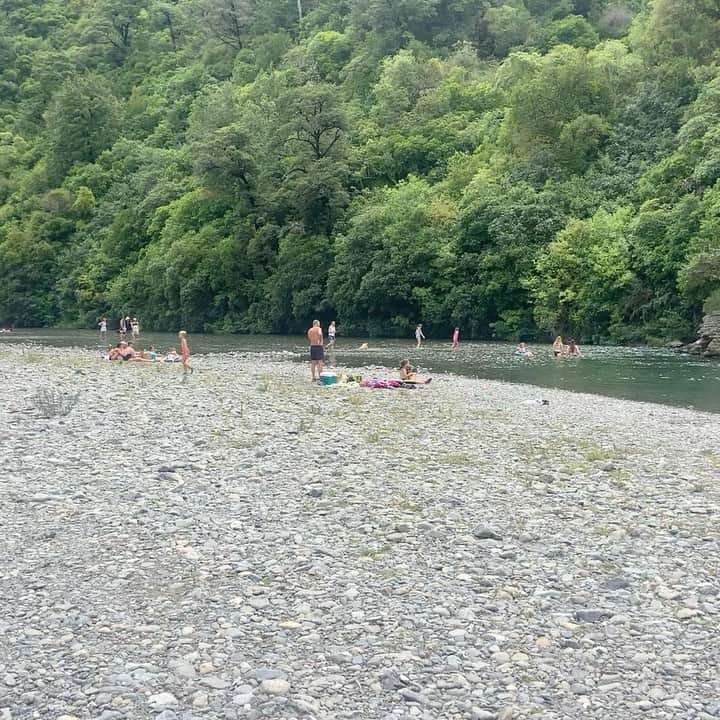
(275, 687)
(479, 714)
(302, 559)
(183, 669)
(200, 699)
(214, 682)
(243, 698)
(269, 674)
(687, 613)
(162, 700)
(289, 625)
(592, 615)
(412, 696)
(484, 532)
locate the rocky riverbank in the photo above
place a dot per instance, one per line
(708, 342)
(247, 545)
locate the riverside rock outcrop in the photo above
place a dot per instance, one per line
(708, 344)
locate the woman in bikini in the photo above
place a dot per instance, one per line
(125, 351)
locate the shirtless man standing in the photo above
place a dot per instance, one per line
(315, 337)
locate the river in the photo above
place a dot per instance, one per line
(654, 375)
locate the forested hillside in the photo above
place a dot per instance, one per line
(514, 167)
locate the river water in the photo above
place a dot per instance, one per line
(635, 373)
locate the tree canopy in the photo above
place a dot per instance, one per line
(515, 167)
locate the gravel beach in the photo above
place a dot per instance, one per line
(245, 544)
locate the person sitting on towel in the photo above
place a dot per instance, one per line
(408, 373)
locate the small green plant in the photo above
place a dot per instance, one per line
(30, 356)
(51, 402)
(712, 458)
(597, 454)
(458, 459)
(243, 443)
(370, 553)
(403, 502)
(303, 426)
(376, 434)
(619, 479)
(389, 574)
(355, 400)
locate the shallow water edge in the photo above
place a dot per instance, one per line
(638, 373)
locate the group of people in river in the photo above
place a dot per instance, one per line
(126, 326)
(420, 337)
(560, 349)
(408, 373)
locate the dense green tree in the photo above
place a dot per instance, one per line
(331, 51)
(81, 122)
(228, 20)
(699, 275)
(393, 22)
(583, 276)
(512, 166)
(564, 86)
(27, 272)
(570, 30)
(681, 29)
(501, 229)
(502, 28)
(391, 263)
(313, 185)
(615, 19)
(297, 289)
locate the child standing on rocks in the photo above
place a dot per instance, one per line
(184, 352)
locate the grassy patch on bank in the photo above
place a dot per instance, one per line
(598, 454)
(404, 503)
(365, 552)
(712, 458)
(460, 459)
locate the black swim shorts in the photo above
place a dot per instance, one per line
(317, 352)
